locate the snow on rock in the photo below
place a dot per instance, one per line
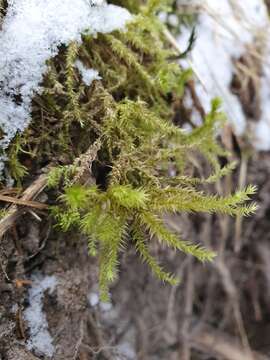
(88, 75)
(31, 33)
(225, 28)
(40, 339)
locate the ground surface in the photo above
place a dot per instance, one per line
(147, 320)
(219, 311)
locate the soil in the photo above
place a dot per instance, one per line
(146, 319)
(225, 303)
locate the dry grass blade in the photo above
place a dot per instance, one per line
(177, 47)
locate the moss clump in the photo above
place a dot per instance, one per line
(117, 141)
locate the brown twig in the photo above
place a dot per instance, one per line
(231, 290)
(177, 47)
(239, 219)
(220, 344)
(188, 306)
(196, 100)
(33, 204)
(20, 324)
(14, 212)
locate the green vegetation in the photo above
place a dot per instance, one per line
(117, 140)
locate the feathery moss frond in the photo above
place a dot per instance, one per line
(156, 228)
(111, 234)
(75, 197)
(128, 121)
(60, 174)
(221, 172)
(66, 219)
(127, 197)
(142, 249)
(187, 199)
(154, 6)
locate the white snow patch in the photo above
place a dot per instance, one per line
(261, 138)
(262, 128)
(106, 306)
(225, 28)
(88, 75)
(93, 299)
(14, 308)
(40, 339)
(96, 2)
(31, 33)
(126, 351)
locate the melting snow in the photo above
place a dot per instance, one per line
(225, 28)
(93, 299)
(40, 339)
(88, 75)
(31, 33)
(126, 351)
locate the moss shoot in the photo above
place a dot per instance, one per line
(111, 145)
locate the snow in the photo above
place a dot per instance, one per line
(40, 339)
(109, 315)
(262, 129)
(262, 135)
(225, 28)
(126, 351)
(31, 34)
(88, 75)
(106, 306)
(93, 299)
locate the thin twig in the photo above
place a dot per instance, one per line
(33, 204)
(14, 211)
(210, 341)
(177, 47)
(239, 219)
(188, 306)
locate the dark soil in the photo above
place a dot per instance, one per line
(147, 320)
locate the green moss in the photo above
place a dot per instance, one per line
(117, 141)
